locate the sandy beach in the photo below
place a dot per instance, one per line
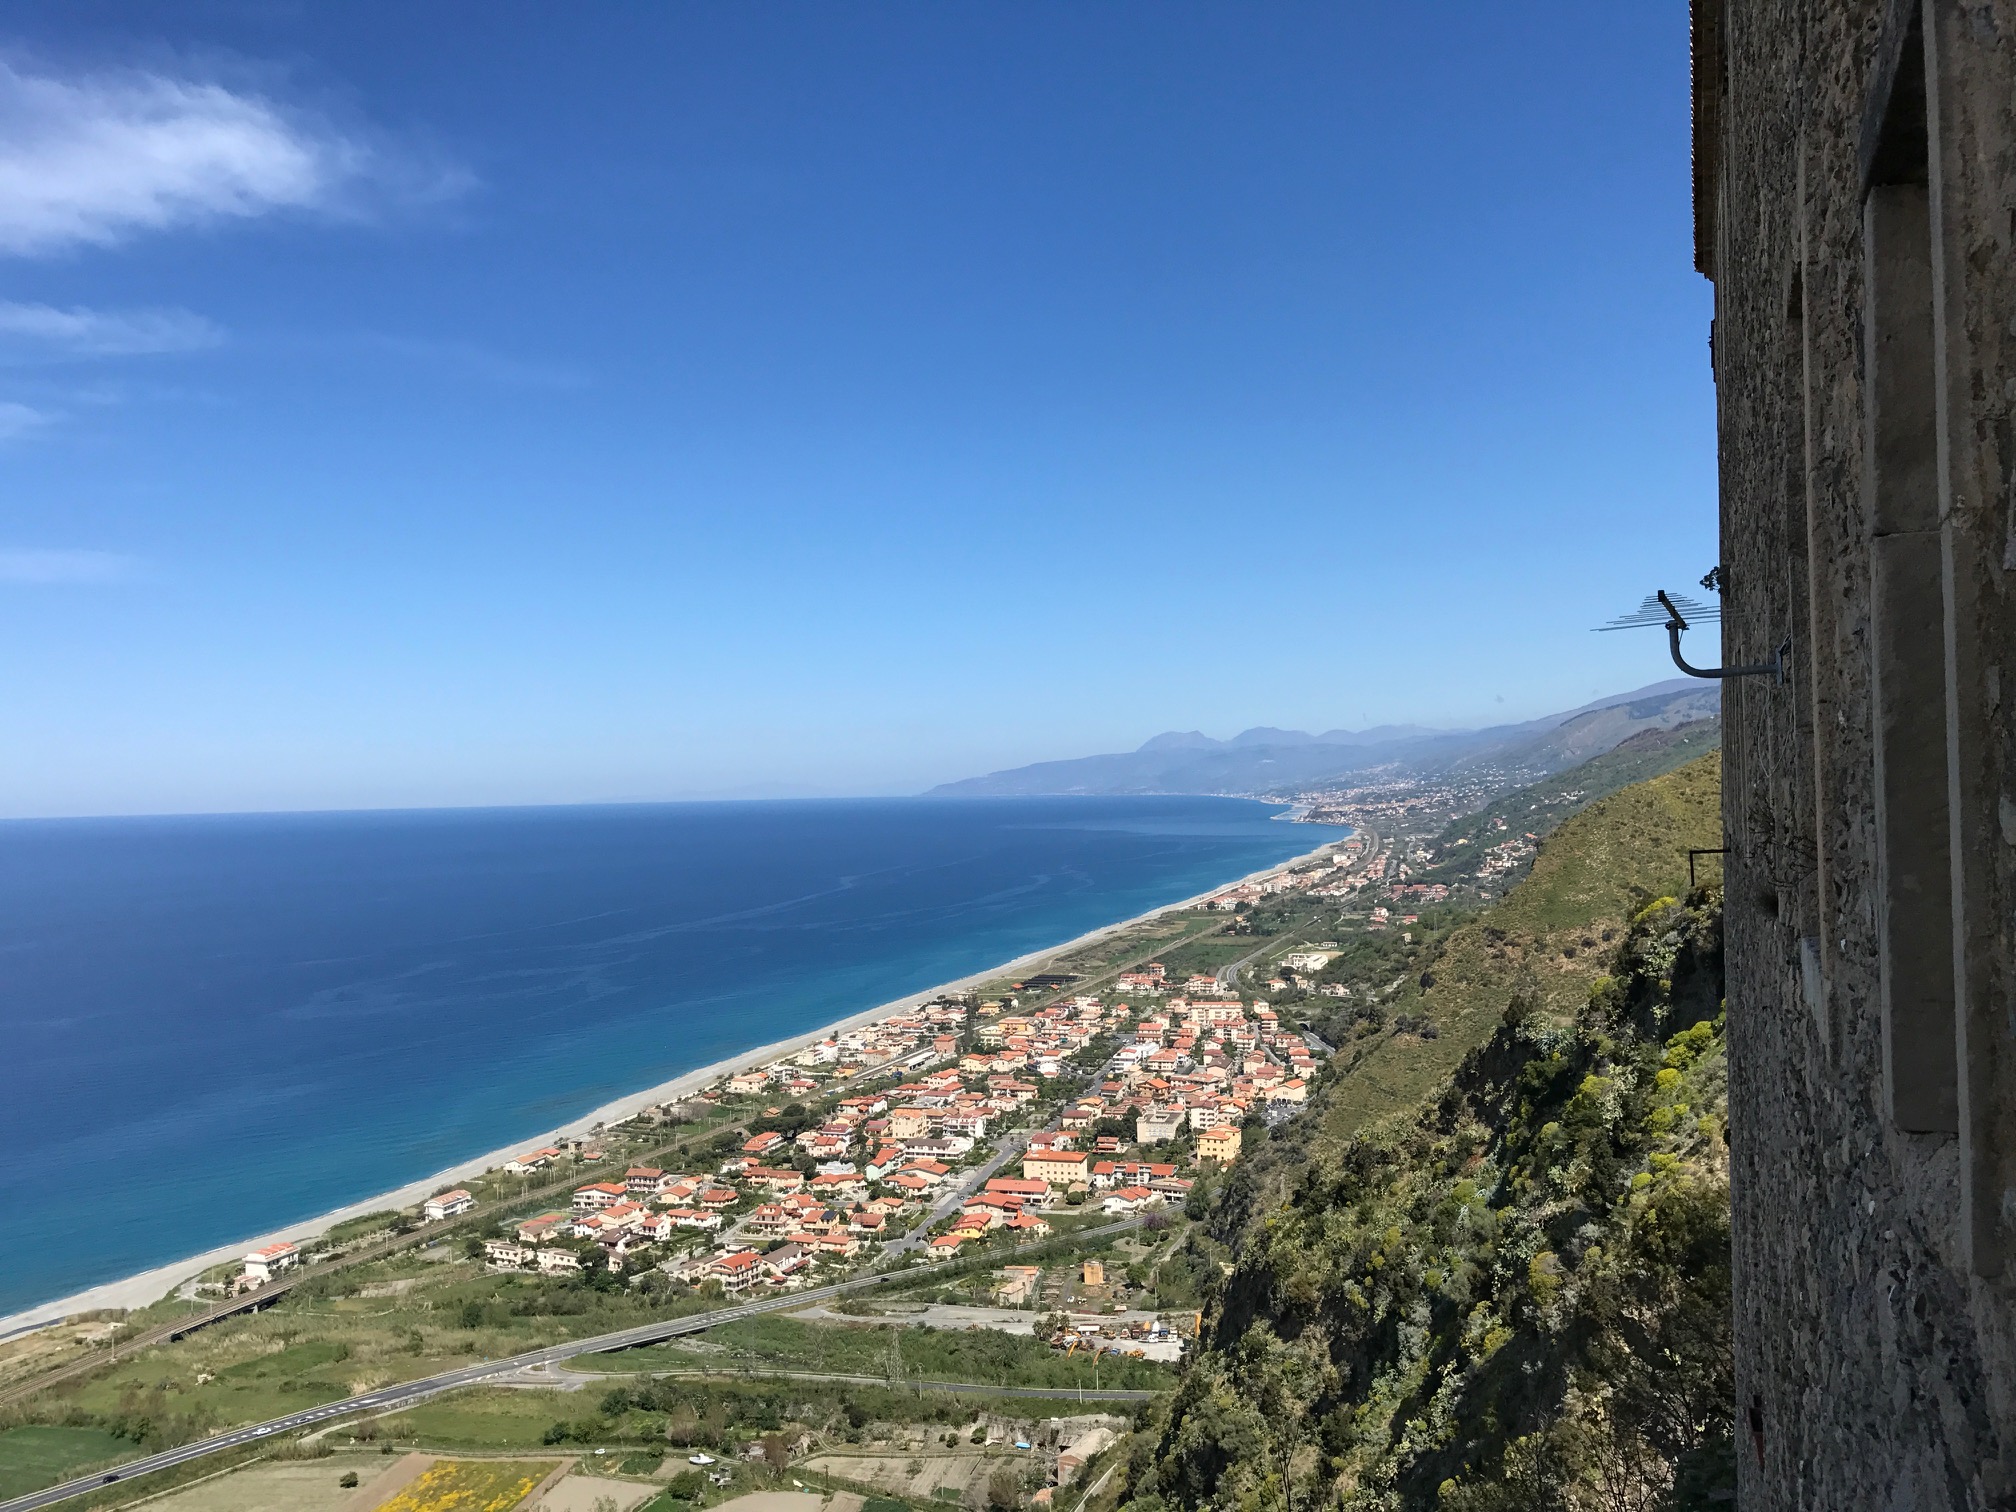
(152, 1285)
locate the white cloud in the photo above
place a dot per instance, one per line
(34, 330)
(93, 159)
(18, 419)
(64, 567)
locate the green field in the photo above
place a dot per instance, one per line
(33, 1457)
(495, 1419)
(905, 1353)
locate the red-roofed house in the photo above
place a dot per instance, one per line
(1013, 1186)
(738, 1271)
(601, 1194)
(534, 1229)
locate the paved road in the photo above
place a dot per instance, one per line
(1228, 974)
(1006, 1148)
(407, 1393)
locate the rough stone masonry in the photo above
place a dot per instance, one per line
(1855, 206)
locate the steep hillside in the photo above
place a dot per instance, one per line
(1510, 1294)
(1586, 735)
(1515, 1301)
(1540, 807)
(1547, 942)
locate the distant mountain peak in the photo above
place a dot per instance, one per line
(1180, 740)
(1265, 759)
(1266, 735)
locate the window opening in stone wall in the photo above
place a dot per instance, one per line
(1908, 671)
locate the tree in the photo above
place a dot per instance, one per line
(682, 1424)
(1197, 1201)
(348, 1480)
(1004, 1490)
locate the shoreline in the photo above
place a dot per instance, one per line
(150, 1286)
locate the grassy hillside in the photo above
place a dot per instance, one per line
(1545, 943)
(1515, 1297)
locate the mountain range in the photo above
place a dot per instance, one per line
(1265, 760)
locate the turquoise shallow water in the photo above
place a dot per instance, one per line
(215, 1026)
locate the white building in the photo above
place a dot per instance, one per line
(262, 1265)
(1157, 1125)
(446, 1205)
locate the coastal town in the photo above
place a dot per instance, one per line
(959, 1124)
(856, 1257)
(979, 1120)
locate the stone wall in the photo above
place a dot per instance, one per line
(1866, 512)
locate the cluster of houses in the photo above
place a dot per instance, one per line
(896, 1108)
(760, 1195)
(910, 1040)
(1257, 888)
(1201, 1066)
(1507, 856)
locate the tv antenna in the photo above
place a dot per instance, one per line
(1676, 612)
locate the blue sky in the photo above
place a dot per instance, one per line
(488, 403)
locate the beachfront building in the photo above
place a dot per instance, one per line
(262, 1265)
(446, 1205)
(530, 1161)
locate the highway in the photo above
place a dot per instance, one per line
(407, 1393)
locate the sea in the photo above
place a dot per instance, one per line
(213, 1027)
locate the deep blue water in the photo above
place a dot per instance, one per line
(210, 1027)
